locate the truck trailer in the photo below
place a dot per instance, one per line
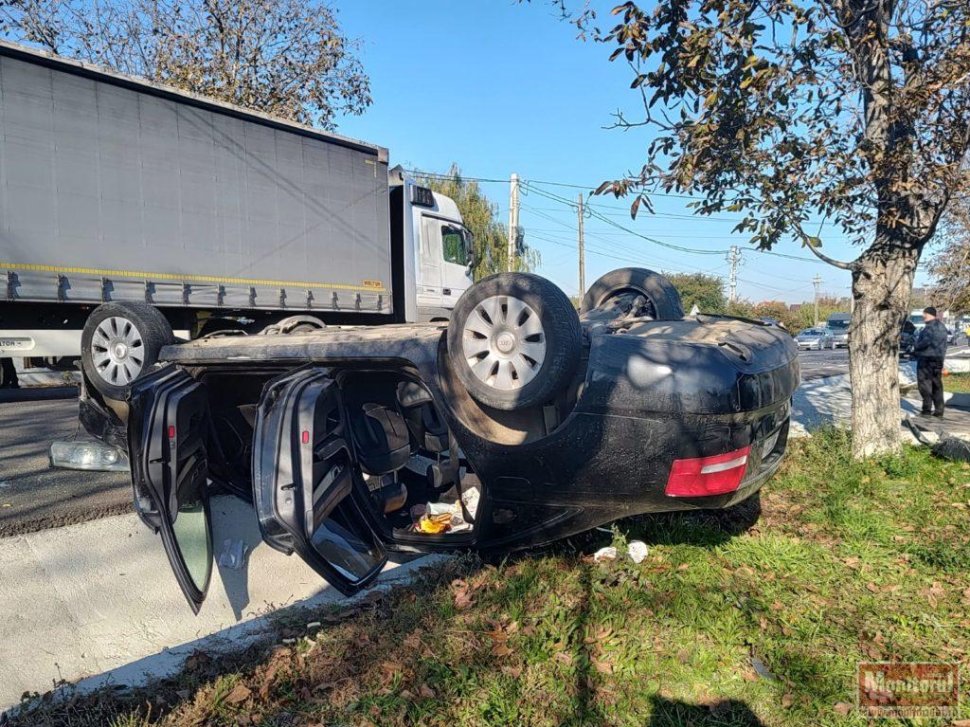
(116, 189)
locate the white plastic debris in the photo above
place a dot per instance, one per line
(233, 554)
(637, 550)
(607, 553)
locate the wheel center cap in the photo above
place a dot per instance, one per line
(120, 350)
(505, 342)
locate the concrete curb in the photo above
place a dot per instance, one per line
(96, 603)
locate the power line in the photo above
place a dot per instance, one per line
(529, 185)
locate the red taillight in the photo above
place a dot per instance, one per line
(716, 475)
(171, 431)
(306, 436)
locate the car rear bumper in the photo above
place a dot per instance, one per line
(647, 401)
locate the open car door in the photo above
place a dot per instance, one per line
(306, 484)
(168, 428)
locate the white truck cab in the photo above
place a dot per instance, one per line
(437, 249)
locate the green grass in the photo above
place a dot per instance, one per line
(957, 383)
(724, 623)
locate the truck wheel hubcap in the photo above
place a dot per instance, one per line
(504, 342)
(117, 350)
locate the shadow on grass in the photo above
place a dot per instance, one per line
(725, 713)
(402, 631)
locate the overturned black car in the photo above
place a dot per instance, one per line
(515, 423)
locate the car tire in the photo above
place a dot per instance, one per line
(514, 341)
(121, 341)
(653, 286)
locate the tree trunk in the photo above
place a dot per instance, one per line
(881, 289)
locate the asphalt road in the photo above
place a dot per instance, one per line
(32, 495)
(818, 364)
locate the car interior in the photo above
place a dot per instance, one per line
(411, 473)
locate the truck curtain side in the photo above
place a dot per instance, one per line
(115, 189)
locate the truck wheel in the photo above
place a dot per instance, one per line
(119, 342)
(653, 286)
(514, 340)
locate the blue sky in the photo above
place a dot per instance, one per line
(501, 87)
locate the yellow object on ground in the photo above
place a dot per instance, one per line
(434, 524)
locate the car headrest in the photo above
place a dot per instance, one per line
(411, 394)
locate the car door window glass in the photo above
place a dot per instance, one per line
(338, 540)
(453, 245)
(191, 530)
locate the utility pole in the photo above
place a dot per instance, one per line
(734, 260)
(817, 282)
(513, 218)
(582, 248)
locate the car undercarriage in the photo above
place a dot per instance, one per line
(350, 442)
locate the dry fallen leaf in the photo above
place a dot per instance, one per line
(239, 694)
(603, 667)
(787, 700)
(427, 692)
(843, 708)
(501, 649)
(463, 597)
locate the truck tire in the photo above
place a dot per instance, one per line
(653, 286)
(119, 342)
(514, 341)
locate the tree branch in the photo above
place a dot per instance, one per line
(852, 266)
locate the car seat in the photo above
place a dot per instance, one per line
(378, 430)
(427, 428)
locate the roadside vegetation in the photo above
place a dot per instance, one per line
(724, 623)
(957, 383)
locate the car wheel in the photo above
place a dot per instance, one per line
(514, 341)
(119, 342)
(661, 293)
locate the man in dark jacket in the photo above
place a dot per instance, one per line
(930, 350)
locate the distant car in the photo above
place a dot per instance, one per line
(815, 339)
(840, 337)
(838, 327)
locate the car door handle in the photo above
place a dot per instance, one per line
(446, 291)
